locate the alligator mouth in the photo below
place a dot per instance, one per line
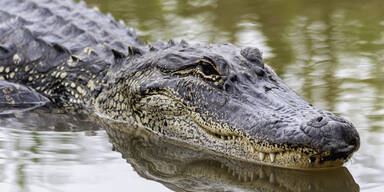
(277, 155)
(238, 145)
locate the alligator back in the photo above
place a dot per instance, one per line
(60, 48)
(84, 32)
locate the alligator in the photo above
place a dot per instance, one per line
(218, 96)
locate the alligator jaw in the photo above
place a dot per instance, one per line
(268, 154)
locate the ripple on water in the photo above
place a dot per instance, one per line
(52, 147)
(61, 161)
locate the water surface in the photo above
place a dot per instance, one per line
(330, 52)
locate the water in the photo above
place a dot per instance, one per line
(330, 52)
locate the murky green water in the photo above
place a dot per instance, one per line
(330, 52)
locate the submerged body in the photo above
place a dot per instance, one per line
(220, 97)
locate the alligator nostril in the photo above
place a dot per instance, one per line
(317, 122)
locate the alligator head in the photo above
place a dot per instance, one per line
(228, 101)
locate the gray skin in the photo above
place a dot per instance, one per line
(217, 96)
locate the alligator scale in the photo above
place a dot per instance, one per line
(220, 98)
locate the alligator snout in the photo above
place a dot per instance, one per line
(334, 134)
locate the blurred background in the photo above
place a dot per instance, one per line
(330, 52)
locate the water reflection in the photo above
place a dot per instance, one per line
(187, 169)
(50, 151)
(49, 119)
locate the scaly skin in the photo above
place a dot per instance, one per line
(217, 96)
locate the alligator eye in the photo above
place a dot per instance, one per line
(203, 68)
(208, 68)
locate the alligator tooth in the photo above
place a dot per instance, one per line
(222, 137)
(252, 149)
(272, 157)
(234, 137)
(299, 156)
(281, 153)
(261, 155)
